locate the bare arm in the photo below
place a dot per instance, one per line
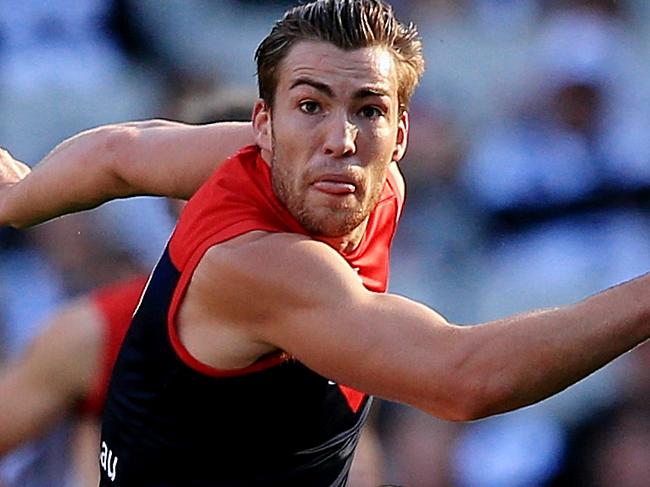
(308, 302)
(55, 372)
(85, 452)
(156, 157)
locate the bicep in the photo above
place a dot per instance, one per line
(309, 302)
(174, 159)
(382, 344)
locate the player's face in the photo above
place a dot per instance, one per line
(334, 128)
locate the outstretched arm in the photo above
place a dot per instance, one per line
(156, 157)
(392, 347)
(38, 388)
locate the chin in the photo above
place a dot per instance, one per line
(333, 223)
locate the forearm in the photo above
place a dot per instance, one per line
(158, 158)
(25, 412)
(78, 174)
(524, 359)
(85, 450)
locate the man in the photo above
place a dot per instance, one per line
(66, 369)
(264, 318)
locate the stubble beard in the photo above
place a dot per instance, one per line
(329, 222)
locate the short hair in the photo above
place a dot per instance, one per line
(347, 24)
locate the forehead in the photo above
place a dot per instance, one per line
(338, 68)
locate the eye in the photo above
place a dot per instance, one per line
(310, 107)
(371, 111)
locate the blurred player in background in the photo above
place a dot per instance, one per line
(66, 370)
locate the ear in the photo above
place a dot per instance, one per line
(262, 128)
(401, 140)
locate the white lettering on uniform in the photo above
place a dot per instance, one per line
(105, 458)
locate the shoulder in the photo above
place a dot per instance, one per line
(275, 256)
(270, 271)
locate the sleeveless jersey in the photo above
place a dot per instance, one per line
(171, 420)
(116, 304)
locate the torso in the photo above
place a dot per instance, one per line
(203, 330)
(195, 401)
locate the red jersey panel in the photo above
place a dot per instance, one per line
(171, 421)
(239, 198)
(116, 304)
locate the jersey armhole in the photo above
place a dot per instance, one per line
(187, 272)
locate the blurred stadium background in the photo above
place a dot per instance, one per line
(529, 186)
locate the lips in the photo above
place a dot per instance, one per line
(335, 184)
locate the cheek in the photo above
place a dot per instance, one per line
(381, 138)
(292, 143)
(379, 174)
(379, 153)
(288, 172)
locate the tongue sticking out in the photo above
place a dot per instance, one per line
(335, 187)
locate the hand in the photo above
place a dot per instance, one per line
(11, 170)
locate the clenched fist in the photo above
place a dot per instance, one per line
(11, 169)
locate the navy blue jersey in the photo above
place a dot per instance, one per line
(170, 420)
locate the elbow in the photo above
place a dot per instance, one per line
(489, 396)
(463, 409)
(124, 146)
(115, 144)
(472, 410)
(471, 399)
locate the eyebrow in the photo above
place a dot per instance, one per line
(367, 92)
(327, 90)
(322, 87)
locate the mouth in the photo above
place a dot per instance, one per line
(335, 184)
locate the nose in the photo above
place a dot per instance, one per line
(340, 138)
